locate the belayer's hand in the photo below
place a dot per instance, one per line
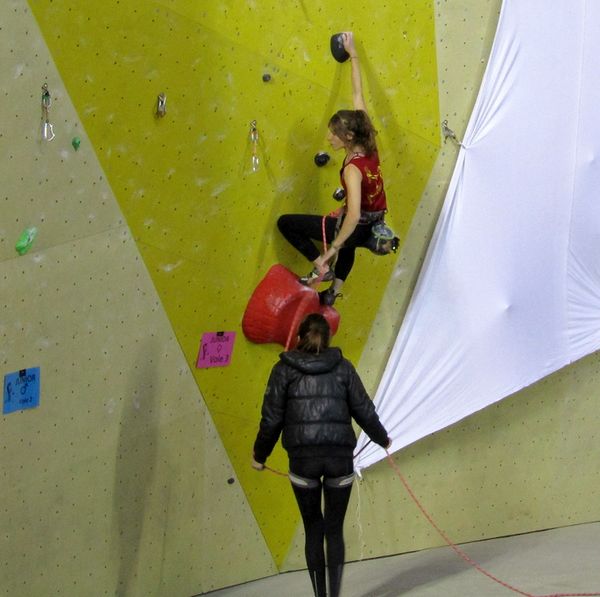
(259, 466)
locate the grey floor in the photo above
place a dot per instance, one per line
(558, 561)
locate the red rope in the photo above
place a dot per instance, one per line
(462, 554)
(272, 470)
(455, 547)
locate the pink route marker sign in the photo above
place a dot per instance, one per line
(215, 349)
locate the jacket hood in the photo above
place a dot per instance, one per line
(311, 363)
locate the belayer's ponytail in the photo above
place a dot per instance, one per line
(313, 334)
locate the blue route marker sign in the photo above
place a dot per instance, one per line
(21, 390)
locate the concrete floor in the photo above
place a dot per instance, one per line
(558, 561)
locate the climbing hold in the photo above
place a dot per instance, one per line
(266, 77)
(339, 194)
(277, 307)
(321, 158)
(337, 47)
(26, 240)
(76, 142)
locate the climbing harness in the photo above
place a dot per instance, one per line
(382, 240)
(305, 483)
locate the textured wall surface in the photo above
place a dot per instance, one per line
(117, 484)
(132, 476)
(203, 221)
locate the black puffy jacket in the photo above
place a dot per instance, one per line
(313, 398)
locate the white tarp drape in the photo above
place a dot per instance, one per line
(510, 287)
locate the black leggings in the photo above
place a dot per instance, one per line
(322, 525)
(300, 230)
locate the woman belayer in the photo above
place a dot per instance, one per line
(312, 395)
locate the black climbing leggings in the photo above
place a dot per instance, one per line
(327, 524)
(300, 230)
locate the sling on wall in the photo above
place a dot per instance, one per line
(510, 287)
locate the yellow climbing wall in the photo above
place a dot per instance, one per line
(202, 219)
(122, 482)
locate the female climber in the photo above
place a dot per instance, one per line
(312, 395)
(352, 131)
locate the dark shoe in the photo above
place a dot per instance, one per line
(327, 297)
(317, 275)
(317, 578)
(335, 580)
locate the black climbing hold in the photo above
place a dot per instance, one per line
(321, 158)
(337, 47)
(339, 194)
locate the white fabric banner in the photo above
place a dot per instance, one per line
(510, 288)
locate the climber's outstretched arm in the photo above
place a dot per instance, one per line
(357, 92)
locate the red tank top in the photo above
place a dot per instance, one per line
(372, 193)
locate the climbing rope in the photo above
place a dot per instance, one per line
(452, 545)
(272, 470)
(461, 553)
